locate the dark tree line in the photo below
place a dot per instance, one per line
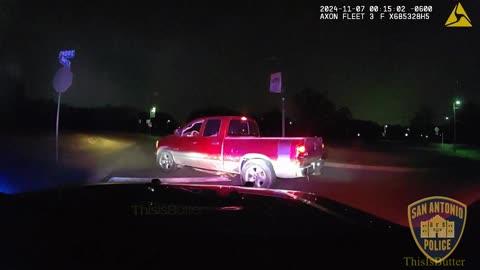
(319, 116)
(424, 123)
(33, 115)
(310, 113)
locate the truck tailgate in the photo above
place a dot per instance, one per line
(313, 148)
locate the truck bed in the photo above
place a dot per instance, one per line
(281, 150)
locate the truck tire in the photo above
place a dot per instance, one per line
(166, 162)
(257, 173)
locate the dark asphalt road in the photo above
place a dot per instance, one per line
(384, 193)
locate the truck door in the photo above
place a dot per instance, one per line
(187, 148)
(210, 144)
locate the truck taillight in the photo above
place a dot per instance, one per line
(300, 150)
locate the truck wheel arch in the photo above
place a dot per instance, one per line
(257, 172)
(160, 149)
(261, 157)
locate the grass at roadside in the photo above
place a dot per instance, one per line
(461, 151)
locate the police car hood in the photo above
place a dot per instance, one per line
(127, 221)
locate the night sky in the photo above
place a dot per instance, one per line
(183, 55)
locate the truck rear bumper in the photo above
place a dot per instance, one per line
(313, 168)
(293, 171)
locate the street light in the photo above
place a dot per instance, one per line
(384, 133)
(152, 115)
(152, 112)
(446, 118)
(455, 106)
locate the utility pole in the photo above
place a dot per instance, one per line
(61, 82)
(276, 87)
(454, 127)
(283, 113)
(455, 103)
(56, 125)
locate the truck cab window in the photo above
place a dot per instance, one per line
(242, 128)
(212, 128)
(192, 130)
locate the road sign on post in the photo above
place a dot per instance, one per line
(61, 82)
(436, 130)
(276, 82)
(276, 87)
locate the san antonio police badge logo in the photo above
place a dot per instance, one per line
(437, 225)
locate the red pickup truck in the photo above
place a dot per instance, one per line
(232, 144)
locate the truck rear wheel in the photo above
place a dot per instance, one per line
(257, 173)
(166, 162)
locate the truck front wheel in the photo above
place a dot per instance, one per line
(166, 162)
(257, 173)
